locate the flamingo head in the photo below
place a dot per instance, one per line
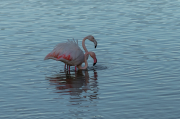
(93, 55)
(91, 38)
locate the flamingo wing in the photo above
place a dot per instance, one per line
(69, 53)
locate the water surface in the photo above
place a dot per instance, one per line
(136, 76)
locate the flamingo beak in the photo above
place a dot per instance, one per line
(95, 43)
(95, 61)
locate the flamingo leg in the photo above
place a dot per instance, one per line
(69, 67)
(65, 66)
(75, 68)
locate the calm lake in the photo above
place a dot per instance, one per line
(137, 75)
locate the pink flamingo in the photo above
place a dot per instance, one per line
(71, 54)
(92, 54)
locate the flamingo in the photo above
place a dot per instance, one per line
(71, 54)
(93, 55)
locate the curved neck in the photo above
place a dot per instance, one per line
(83, 45)
(85, 60)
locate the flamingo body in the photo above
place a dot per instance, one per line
(69, 53)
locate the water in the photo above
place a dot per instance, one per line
(136, 76)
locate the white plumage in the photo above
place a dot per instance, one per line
(69, 53)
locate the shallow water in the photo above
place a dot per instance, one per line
(136, 76)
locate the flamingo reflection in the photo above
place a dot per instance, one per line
(75, 84)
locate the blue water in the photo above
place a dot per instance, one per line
(138, 53)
